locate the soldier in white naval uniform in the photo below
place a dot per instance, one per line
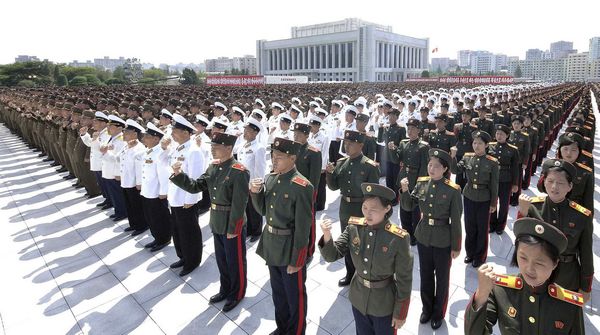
(130, 161)
(318, 139)
(111, 168)
(99, 136)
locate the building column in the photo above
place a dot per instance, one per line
(392, 56)
(347, 46)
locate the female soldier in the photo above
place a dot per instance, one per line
(380, 250)
(569, 149)
(530, 302)
(438, 233)
(480, 195)
(576, 268)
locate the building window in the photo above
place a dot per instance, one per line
(350, 50)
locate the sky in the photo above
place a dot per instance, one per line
(190, 31)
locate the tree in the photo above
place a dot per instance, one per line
(119, 74)
(56, 73)
(425, 74)
(62, 80)
(92, 80)
(72, 72)
(26, 83)
(189, 77)
(78, 81)
(114, 81)
(518, 72)
(438, 70)
(154, 74)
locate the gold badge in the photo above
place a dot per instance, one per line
(539, 229)
(557, 163)
(286, 196)
(356, 240)
(369, 188)
(512, 312)
(276, 143)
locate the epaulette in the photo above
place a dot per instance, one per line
(426, 178)
(585, 167)
(300, 181)
(341, 159)
(513, 282)
(580, 208)
(239, 166)
(512, 146)
(370, 161)
(355, 220)
(120, 137)
(586, 153)
(493, 143)
(423, 142)
(524, 133)
(405, 140)
(492, 158)
(452, 184)
(392, 228)
(587, 127)
(311, 148)
(469, 154)
(563, 294)
(537, 200)
(216, 161)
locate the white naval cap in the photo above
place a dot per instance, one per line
(219, 104)
(321, 111)
(259, 102)
(254, 124)
(258, 112)
(166, 114)
(203, 120)
(315, 119)
(100, 116)
(238, 110)
(314, 104)
(182, 123)
(132, 125)
(285, 117)
(277, 105)
(217, 123)
(113, 119)
(153, 130)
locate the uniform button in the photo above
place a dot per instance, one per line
(214, 198)
(349, 172)
(430, 205)
(214, 188)
(476, 165)
(429, 214)
(220, 168)
(348, 181)
(370, 233)
(365, 272)
(475, 173)
(270, 219)
(274, 193)
(531, 319)
(366, 259)
(431, 195)
(553, 221)
(368, 246)
(271, 206)
(532, 298)
(433, 186)
(279, 181)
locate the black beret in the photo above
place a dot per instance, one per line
(413, 122)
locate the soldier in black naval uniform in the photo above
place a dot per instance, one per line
(284, 199)
(464, 141)
(412, 155)
(439, 233)
(530, 302)
(380, 289)
(309, 164)
(347, 176)
(393, 133)
(227, 183)
(508, 158)
(370, 144)
(480, 195)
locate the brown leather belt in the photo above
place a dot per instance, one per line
(352, 199)
(220, 208)
(374, 284)
(277, 231)
(567, 258)
(437, 222)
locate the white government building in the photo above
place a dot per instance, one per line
(350, 50)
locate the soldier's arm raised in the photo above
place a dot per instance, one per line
(334, 250)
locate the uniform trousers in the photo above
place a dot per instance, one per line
(102, 185)
(334, 151)
(113, 187)
(156, 213)
(477, 218)
(372, 325)
(290, 299)
(255, 220)
(434, 270)
(321, 194)
(187, 235)
(498, 218)
(231, 261)
(409, 221)
(135, 212)
(514, 197)
(391, 177)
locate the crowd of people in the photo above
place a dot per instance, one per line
(260, 160)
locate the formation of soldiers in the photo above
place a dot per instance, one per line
(260, 161)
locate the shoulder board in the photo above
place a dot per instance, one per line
(587, 127)
(492, 158)
(563, 294)
(120, 137)
(537, 200)
(239, 166)
(405, 140)
(580, 208)
(469, 154)
(423, 142)
(343, 158)
(216, 161)
(524, 133)
(311, 148)
(426, 178)
(355, 220)
(587, 138)
(452, 184)
(585, 167)
(300, 181)
(512, 146)
(392, 228)
(587, 153)
(493, 143)
(370, 161)
(513, 282)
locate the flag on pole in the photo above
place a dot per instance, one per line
(434, 50)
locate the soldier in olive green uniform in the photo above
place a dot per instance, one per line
(521, 304)
(439, 233)
(227, 183)
(519, 139)
(391, 133)
(576, 268)
(370, 145)
(412, 155)
(309, 165)
(440, 138)
(464, 142)
(569, 149)
(347, 176)
(480, 195)
(380, 289)
(284, 200)
(533, 135)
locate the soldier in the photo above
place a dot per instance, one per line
(380, 290)
(187, 235)
(284, 199)
(370, 146)
(165, 123)
(391, 133)
(412, 155)
(318, 139)
(480, 195)
(202, 141)
(482, 122)
(110, 167)
(252, 155)
(347, 175)
(130, 161)
(154, 186)
(464, 141)
(438, 233)
(576, 267)
(227, 182)
(82, 149)
(533, 137)
(508, 158)
(569, 149)
(334, 121)
(519, 139)
(528, 303)
(440, 137)
(285, 121)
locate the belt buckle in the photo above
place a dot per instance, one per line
(367, 283)
(474, 186)
(431, 222)
(347, 199)
(213, 206)
(270, 229)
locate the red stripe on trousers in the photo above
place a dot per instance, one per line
(300, 303)
(240, 268)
